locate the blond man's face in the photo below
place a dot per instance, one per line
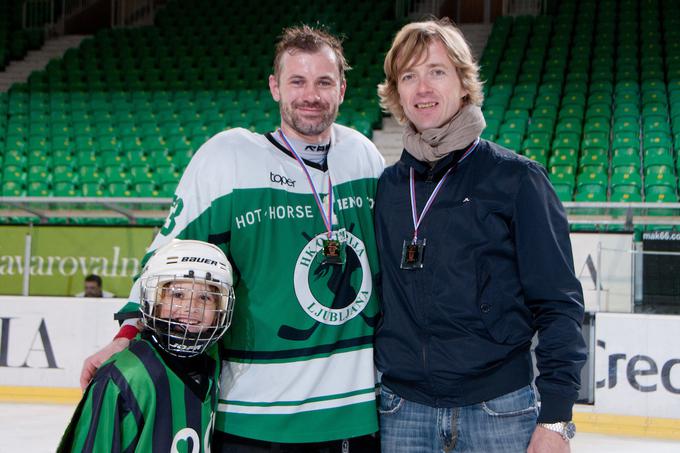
(430, 91)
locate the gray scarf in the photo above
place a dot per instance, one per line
(433, 144)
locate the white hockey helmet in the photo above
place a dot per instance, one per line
(187, 296)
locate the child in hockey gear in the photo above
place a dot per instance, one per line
(161, 393)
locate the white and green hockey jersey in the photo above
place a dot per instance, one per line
(298, 358)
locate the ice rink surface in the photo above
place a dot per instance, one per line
(37, 428)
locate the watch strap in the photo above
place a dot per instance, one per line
(565, 429)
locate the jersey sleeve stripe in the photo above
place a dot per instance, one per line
(193, 411)
(115, 442)
(129, 405)
(163, 416)
(98, 390)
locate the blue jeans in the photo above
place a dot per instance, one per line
(501, 425)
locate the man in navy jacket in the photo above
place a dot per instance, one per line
(475, 258)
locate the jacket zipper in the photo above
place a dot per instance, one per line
(426, 368)
(430, 175)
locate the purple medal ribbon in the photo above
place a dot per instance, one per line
(327, 218)
(412, 186)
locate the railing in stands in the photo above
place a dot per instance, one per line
(43, 208)
(37, 13)
(135, 208)
(130, 13)
(524, 7)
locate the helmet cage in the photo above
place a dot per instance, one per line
(188, 337)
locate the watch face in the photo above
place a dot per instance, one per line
(569, 430)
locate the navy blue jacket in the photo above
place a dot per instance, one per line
(497, 268)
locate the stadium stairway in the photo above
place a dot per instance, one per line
(388, 140)
(18, 71)
(476, 36)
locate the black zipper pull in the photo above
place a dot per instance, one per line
(430, 175)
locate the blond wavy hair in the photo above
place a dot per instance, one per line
(411, 45)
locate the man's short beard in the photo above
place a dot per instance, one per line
(306, 128)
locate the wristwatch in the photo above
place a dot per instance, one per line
(565, 429)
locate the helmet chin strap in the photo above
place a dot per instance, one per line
(176, 339)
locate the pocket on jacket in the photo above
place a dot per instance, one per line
(504, 318)
(390, 402)
(519, 402)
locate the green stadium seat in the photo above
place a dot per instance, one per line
(91, 189)
(38, 172)
(625, 193)
(542, 111)
(660, 194)
(571, 112)
(511, 140)
(595, 140)
(655, 108)
(626, 109)
(89, 174)
(541, 125)
(626, 175)
(625, 140)
(596, 124)
(657, 124)
(592, 175)
(64, 189)
(660, 175)
(513, 126)
(626, 124)
(564, 156)
(38, 189)
(656, 140)
(562, 174)
(13, 173)
(657, 156)
(564, 192)
(537, 154)
(13, 188)
(493, 111)
(594, 157)
(111, 159)
(626, 155)
(492, 126)
(591, 193)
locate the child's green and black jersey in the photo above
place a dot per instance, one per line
(143, 400)
(298, 357)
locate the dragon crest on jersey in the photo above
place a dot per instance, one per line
(325, 306)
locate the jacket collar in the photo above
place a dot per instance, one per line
(440, 166)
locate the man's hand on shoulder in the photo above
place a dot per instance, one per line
(93, 362)
(545, 441)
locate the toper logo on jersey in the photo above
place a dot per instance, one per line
(280, 179)
(311, 281)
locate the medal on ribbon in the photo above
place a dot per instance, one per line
(413, 250)
(333, 249)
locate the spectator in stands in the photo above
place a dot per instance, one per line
(298, 370)
(93, 287)
(475, 258)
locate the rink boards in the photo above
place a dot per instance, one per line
(635, 357)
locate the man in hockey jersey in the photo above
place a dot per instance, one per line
(160, 394)
(298, 364)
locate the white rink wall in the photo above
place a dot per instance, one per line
(44, 341)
